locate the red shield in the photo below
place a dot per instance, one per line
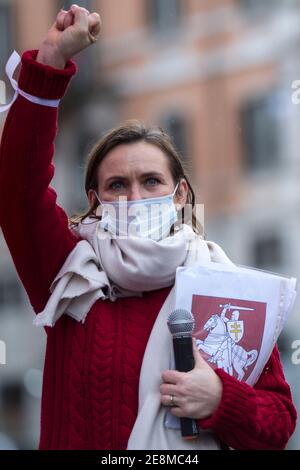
(212, 333)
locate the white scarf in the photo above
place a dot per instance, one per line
(100, 267)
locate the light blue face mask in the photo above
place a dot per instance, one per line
(145, 218)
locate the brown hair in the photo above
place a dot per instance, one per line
(128, 133)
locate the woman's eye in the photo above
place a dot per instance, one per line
(152, 181)
(117, 185)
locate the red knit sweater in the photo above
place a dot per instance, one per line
(91, 374)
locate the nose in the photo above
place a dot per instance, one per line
(135, 193)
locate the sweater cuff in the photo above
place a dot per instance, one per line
(44, 81)
(234, 405)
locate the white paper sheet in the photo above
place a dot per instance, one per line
(239, 314)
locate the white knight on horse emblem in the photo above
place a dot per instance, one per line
(222, 338)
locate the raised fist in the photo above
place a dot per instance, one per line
(72, 31)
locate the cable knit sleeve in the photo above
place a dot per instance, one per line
(258, 418)
(34, 226)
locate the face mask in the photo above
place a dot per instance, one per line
(145, 218)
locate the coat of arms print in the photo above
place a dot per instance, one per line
(229, 332)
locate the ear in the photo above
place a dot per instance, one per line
(181, 194)
(91, 197)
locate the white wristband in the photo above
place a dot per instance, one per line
(10, 68)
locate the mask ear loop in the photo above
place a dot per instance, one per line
(175, 190)
(176, 187)
(181, 219)
(173, 228)
(99, 200)
(100, 203)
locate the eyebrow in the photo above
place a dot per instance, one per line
(149, 174)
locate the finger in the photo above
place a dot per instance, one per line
(177, 411)
(95, 24)
(171, 376)
(167, 401)
(74, 6)
(82, 8)
(81, 17)
(69, 19)
(60, 20)
(199, 361)
(168, 389)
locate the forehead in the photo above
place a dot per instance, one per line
(136, 157)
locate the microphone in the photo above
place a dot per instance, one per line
(181, 324)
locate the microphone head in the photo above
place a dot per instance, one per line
(181, 322)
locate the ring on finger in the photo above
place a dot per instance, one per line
(172, 400)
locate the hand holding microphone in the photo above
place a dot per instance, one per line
(194, 390)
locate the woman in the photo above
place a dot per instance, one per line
(98, 321)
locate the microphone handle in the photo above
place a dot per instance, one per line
(184, 361)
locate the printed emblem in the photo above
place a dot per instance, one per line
(229, 332)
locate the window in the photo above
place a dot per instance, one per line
(259, 5)
(85, 141)
(260, 133)
(164, 14)
(175, 126)
(265, 7)
(10, 293)
(12, 397)
(268, 252)
(5, 36)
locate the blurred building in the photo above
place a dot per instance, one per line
(217, 75)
